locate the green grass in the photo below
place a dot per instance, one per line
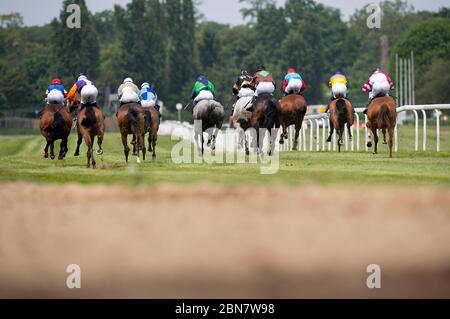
(21, 160)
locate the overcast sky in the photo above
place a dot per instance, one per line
(225, 11)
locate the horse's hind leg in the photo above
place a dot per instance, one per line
(126, 149)
(331, 132)
(46, 148)
(62, 150)
(384, 137)
(100, 143)
(298, 127)
(80, 139)
(349, 128)
(376, 140)
(391, 141)
(144, 149)
(154, 140)
(52, 149)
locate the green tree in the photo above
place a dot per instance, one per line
(75, 50)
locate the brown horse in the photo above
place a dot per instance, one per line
(55, 124)
(293, 110)
(341, 113)
(382, 114)
(266, 115)
(131, 122)
(208, 117)
(90, 123)
(152, 127)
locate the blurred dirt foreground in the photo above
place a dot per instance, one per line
(213, 241)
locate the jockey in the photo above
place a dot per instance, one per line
(293, 83)
(55, 94)
(86, 89)
(379, 84)
(241, 87)
(149, 97)
(263, 82)
(128, 92)
(338, 85)
(203, 90)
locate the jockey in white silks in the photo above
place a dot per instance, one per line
(379, 84)
(128, 92)
(87, 90)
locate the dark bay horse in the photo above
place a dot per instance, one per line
(90, 124)
(382, 114)
(151, 127)
(293, 111)
(211, 114)
(341, 114)
(55, 124)
(131, 122)
(266, 115)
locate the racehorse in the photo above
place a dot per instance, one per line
(382, 114)
(151, 118)
(242, 115)
(55, 124)
(293, 111)
(341, 113)
(211, 114)
(90, 124)
(266, 114)
(131, 121)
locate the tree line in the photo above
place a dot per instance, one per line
(170, 43)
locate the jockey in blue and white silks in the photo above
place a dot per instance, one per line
(148, 96)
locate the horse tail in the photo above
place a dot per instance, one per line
(132, 117)
(271, 114)
(90, 120)
(58, 125)
(383, 117)
(342, 109)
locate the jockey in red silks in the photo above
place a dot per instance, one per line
(379, 84)
(55, 94)
(293, 83)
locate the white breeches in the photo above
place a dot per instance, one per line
(129, 96)
(294, 86)
(148, 103)
(204, 96)
(339, 90)
(244, 92)
(55, 97)
(380, 88)
(89, 94)
(265, 88)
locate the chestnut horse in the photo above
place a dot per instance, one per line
(90, 123)
(293, 111)
(55, 124)
(382, 114)
(151, 127)
(341, 113)
(131, 122)
(266, 115)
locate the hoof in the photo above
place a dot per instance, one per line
(52, 157)
(154, 156)
(329, 140)
(76, 154)
(369, 144)
(384, 143)
(99, 152)
(60, 157)
(281, 142)
(46, 156)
